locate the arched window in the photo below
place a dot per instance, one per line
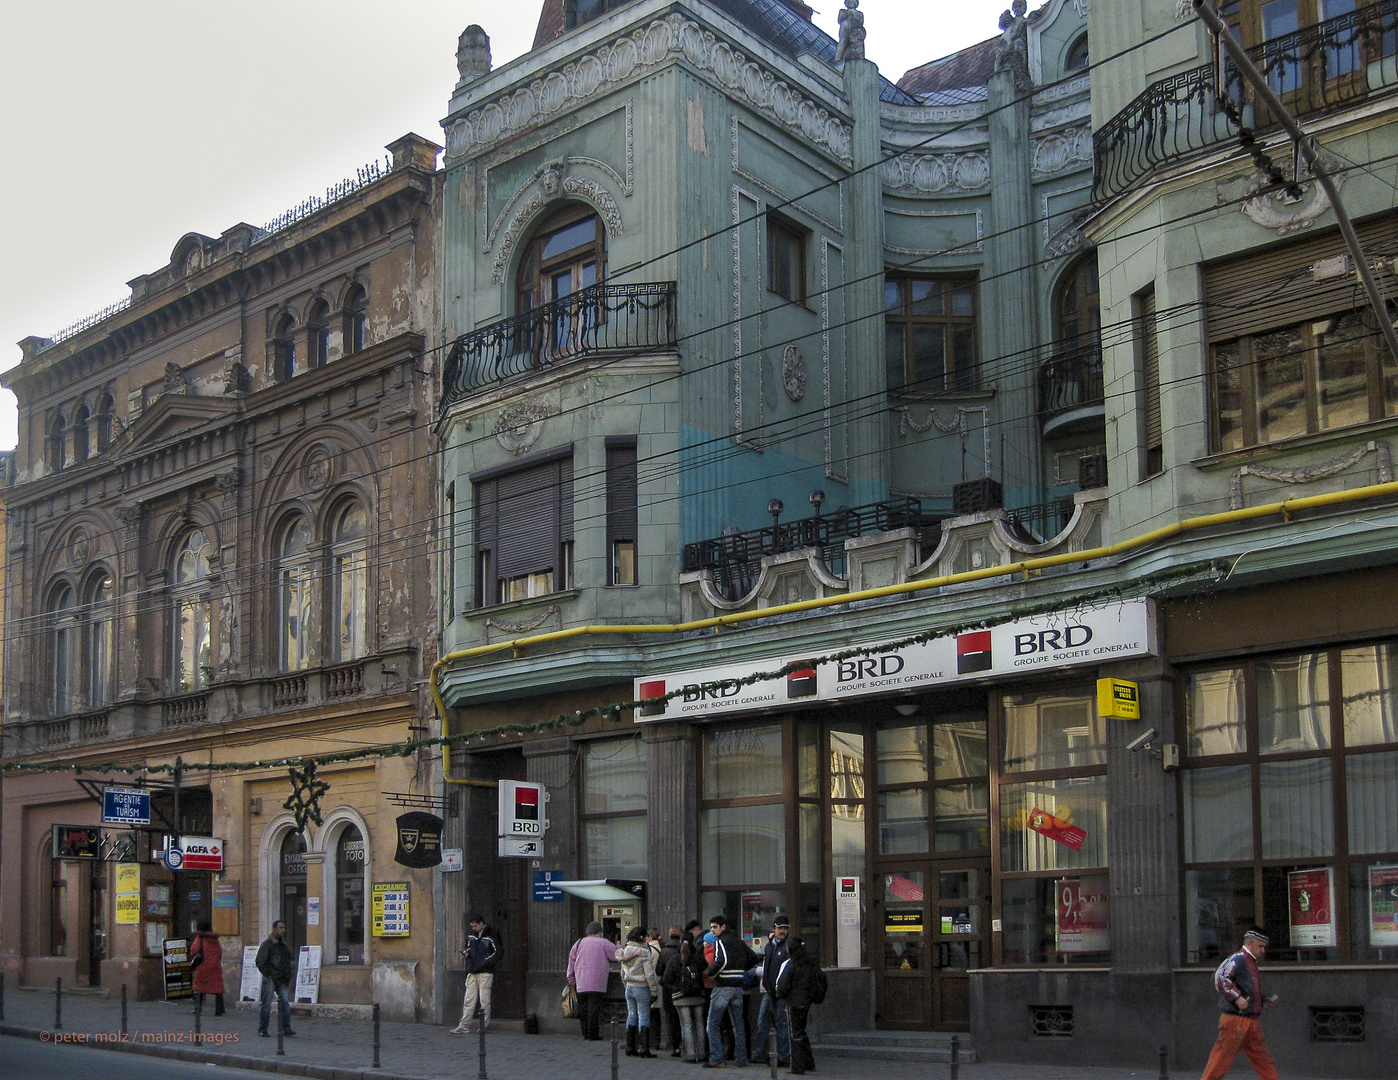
(283, 349)
(97, 638)
(318, 335)
(104, 423)
(567, 254)
(80, 419)
(53, 448)
(63, 650)
(1076, 58)
(349, 580)
(356, 319)
(192, 613)
(294, 596)
(1078, 312)
(349, 896)
(292, 878)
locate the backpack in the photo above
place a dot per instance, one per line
(819, 985)
(750, 959)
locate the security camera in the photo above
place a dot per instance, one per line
(1143, 740)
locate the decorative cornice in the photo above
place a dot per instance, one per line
(663, 41)
(1062, 151)
(935, 174)
(1307, 474)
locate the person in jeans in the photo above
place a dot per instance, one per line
(684, 975)
(771, 1013)
(589, 964)
(726, 971)
(481, 951)
(275, 962)
(1240, 1004)
(642, 987)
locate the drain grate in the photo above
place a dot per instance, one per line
(1337, 1023)
(1052, 1021)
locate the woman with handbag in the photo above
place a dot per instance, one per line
(642, 987)
(589, 964)
(206, 961)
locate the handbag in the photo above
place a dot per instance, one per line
(570, 1002)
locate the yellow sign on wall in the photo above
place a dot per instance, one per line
(1119, 699)
(128, 893)
(389, 909)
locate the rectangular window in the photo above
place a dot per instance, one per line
(930, 334)
(786, 259)
(622, 512)
(524, 530)
(614, 801)
(1152, 430)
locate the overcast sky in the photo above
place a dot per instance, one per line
(126, 125)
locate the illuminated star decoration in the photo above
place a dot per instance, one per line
(304, 800)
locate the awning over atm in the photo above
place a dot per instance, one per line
(604, 889)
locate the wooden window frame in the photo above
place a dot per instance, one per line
(955, 377)
(784, 235)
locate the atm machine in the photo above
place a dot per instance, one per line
(619, 904)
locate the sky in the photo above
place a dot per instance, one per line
(127, 125)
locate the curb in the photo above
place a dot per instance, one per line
(216, 1057)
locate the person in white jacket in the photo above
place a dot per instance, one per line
(642, 987)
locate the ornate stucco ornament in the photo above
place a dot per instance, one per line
(794, 373)
(519, 426)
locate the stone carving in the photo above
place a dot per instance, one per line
(1062, 150)
(228, 483)
(317, 469)
(852, 33)
(519, 426)
(579, 187)
(131, 516)
(1067, 238)
(550, 178)
(1307, 474)
(79, 546)
(524, 626)
(472, 53)
(932, 174)
(626, 58)
(1274, 209)
(176, 382)
(237, 380)
(1012, 54)
(1184, 9)
(193, 261)
(794, 373)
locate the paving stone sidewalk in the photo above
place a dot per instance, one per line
(342, 1049)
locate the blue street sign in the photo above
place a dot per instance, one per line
(543, 886)
(125, 806)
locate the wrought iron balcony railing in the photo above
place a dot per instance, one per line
(594, 321)
(1314, 70)
(1071, 380)
(736, 557)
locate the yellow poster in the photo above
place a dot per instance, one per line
(128, 894)
(389, 909)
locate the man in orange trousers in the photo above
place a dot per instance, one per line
(1241, 1000)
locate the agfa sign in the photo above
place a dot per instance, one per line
(201, 852)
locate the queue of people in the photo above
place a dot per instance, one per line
(686, 992)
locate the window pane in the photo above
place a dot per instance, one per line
(614, 776)
(1056, 921)
(893, 353)
(962, 816)
(811, 850)
(963, 355)
(616, 847)
(808, 760)
(1293, 704)
(352, 587)
(903, 821)
(904, 938)
(1373, 905)
(1213, 705)
(926, 296)
(1298, 808)
(963, 300)
(892, 296)
(349, 897)
(1218, 814)
(569, 237)
(740, 762)
(1371, 790)
(1228, 395)
(847, 839)
(1279, 367)
(1218, 907)
(742, 844)
(1369, 683)
(1298, 913)
(1053, 730)
(903, 754)
(846, 765)
(958, 749)
(929, 358)
(1081, 802)
(750, 912)
(1343, 372)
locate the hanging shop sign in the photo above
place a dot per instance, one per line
(419, 840)
(125, 806)
(1056, 829)
(1082, 915)
(1383, 906)
(201, 853)
(521, 809)
(1311, 896)
(77, 842)
(389, 909)
(1089, 635)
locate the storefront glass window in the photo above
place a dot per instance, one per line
(1373, 905)
(1079, 803)
(808, 752)
(1218, 909)
(810, 841)
(1371, 788)
(903, 755)
(961, 817)
(1298, 808)
(902, 821)
(615, 830)
(1213, 713)
(349, 897)
(1060, 920)
(749, 911)
(1218, 814)
(1293, 704)
(743, 762)
(958, 749)
(1046, 731)
(743, 843)
(1370, 678)
(615, 847)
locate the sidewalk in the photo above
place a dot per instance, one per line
(339, 1049)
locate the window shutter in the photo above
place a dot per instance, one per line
(621, 492)
(1150, 383)
(529, 520)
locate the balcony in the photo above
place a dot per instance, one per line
(1317, 69)
(1071, 399)
(604, 320)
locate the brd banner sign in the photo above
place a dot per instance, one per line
(1085, 635)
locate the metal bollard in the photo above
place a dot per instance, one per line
(2, 995)
(123, 1008)
(281, 1024)
(58, 1005)
(1164, 1063)
(614, 1048)
(772, 1048)
(198, 1016)
(376, 1035)
(481, 1028)
(955, 1056)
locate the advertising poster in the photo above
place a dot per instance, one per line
(1056, 829)
(178, 977)
(1311, 896)
(128, 894)
(307, 986)
(1383, 906)
(250, 989)
(1082, 915)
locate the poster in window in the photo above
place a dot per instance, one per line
(1082, 915)
(1311, 896)
(1383, 906)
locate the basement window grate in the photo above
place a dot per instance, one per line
(1052, 1021)
(1337, 1023)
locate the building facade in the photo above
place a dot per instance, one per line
(220, 530)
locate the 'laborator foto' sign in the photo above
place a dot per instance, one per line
(1088, 635)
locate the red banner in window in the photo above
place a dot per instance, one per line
(1056, 829)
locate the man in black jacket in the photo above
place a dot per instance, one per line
(730, 962)
(275, 962)
(481, 952)
(794, 990)
(770, 1012)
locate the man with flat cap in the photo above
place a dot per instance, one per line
(1240, 1001)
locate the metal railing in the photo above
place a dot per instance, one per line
(1041, 522)
(1315, 69)
(735, 558)
(1071, 380)
(597, 320)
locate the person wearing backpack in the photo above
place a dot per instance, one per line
(732, 960)
(800, 984)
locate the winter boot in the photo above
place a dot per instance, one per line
(644, 1043)
(630, 1042)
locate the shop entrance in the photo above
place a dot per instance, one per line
(930, 934)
